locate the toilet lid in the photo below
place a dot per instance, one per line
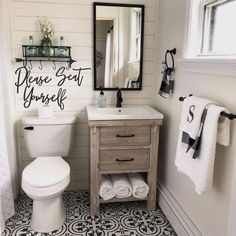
(46, 171)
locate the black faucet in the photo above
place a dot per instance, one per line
(119, 98)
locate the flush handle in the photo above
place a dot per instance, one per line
(29, 128)
(125, 135)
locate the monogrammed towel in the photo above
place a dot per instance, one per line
(200, 170)
(191, 126)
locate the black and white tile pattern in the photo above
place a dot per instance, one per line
(115, 219)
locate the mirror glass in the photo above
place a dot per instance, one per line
(118, 46)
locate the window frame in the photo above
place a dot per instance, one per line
(196, 29)
(138, 27)
(192, 61)
(135, 35)
(206, 35)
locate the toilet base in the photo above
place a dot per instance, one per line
(48, 214)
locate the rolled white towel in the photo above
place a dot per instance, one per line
(121, 185)
(139, 186)
(106, 190)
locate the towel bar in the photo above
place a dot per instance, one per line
(230, 116)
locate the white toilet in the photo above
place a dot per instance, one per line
(45, 179)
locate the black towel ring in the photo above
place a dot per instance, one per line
(172, 53)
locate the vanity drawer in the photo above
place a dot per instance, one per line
(124, 160)
(125, 135)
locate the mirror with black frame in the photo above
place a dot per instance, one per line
(118, 46)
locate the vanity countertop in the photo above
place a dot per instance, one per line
(128, 112)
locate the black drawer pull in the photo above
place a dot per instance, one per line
(29, 128)
(125, 135)
(124, 160)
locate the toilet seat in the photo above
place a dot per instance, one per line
(45, 172)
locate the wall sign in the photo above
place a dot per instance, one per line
(28, 82)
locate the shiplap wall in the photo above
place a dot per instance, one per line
(73, 20)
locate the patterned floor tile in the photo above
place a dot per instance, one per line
(115, 219)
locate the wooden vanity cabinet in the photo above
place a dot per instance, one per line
(123, 146)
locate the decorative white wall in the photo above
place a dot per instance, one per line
(73, 20)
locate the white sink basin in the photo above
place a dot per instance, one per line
(134, 112)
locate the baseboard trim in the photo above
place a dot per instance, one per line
(179, 220)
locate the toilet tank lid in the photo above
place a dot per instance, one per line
(55, 120)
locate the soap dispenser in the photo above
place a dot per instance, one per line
(101, 100)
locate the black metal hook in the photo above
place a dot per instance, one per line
(24, 63)
(68, 65)
(54, 65)
(40, 66)
(30, 65)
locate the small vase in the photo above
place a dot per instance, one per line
(47, 51)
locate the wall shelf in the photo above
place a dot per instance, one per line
(40, 53)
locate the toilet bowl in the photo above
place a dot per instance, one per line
(45, 179)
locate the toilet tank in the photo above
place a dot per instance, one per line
(48, 137)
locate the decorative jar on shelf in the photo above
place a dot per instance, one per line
(46, 48)
(30, 49)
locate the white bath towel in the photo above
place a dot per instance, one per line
(121, 185)
(191, 125)
(192, 110)
(139, 186)
(200, 170)
(106, 190)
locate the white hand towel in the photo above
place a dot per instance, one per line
(106, 190)
(200, 170)
(139, 186)
(121, 185)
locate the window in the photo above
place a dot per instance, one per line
(211, 29)
(136, 27)
(138, 17)
(219, 31)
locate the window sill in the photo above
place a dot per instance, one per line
(225, 67)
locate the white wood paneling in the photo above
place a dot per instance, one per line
(52, 10)
(85, 92)
(74, 2)
(79, 105)
(30, 23)
(73, 20)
